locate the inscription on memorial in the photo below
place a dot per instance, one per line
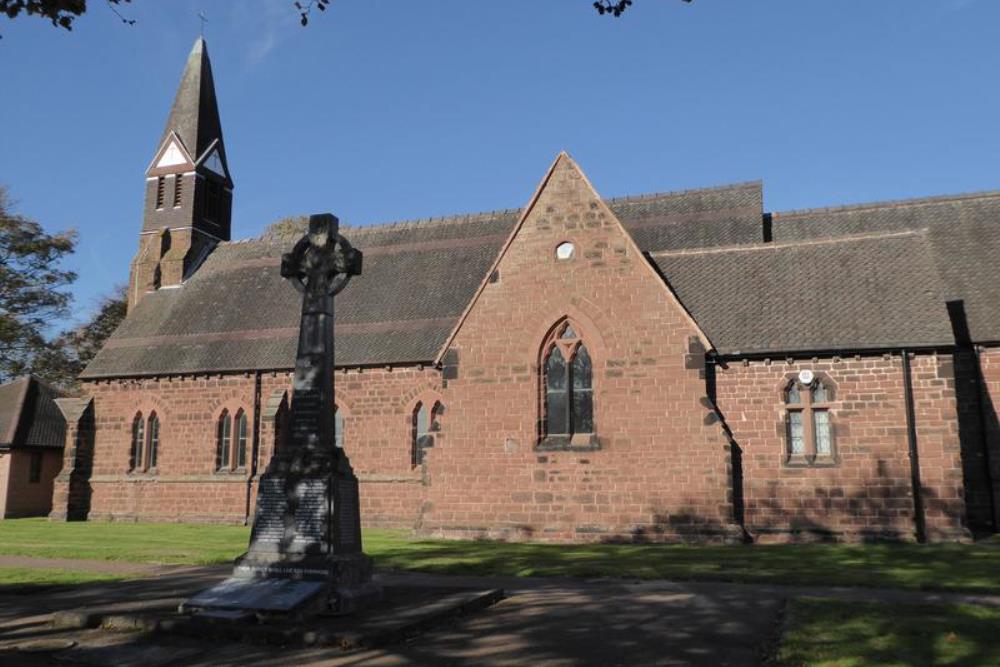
(312, 515)
(269, 522)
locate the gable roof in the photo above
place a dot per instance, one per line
(854, 293)
(236, 313)
(29, 415)
(963, 232)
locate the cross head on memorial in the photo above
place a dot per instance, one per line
(319, 266)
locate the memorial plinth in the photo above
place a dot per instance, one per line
(305, 548)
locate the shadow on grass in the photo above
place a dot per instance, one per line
(852, 633)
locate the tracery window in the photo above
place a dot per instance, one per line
(138, 441)
(569, 390)
(808, 422)
(425, 424)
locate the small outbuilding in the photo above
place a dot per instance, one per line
(32, 436)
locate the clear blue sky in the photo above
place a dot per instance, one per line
(383, 110)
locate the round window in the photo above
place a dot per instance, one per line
(565, 250)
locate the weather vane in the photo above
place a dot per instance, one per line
(204, 20)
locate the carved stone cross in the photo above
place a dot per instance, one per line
(319, 266)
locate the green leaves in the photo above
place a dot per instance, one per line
(31, 287)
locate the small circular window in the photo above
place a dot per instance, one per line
(565, 250)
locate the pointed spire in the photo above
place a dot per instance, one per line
(195, 113)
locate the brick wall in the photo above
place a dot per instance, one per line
(866, 492)
(661, 471)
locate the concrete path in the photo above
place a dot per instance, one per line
(543, 622)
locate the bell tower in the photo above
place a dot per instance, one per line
(189, 191)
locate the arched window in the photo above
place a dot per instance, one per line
(425, 424)
(808, 423)
(569, 389)
(223, 441)
(338, 428)
(138, 440)
(241, 439)
(153, 441)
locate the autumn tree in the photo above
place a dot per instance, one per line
(32, 287)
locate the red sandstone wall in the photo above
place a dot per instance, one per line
(185, 485)
(980, 459)
(661, 472)
(378, 411)
(25, 498)
(867, 491)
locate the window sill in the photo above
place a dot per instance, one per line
(152, 472)
(803, 461)
(231, 472)
(560, 443)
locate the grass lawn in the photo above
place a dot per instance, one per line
(826, 633)
(940, 566)
(46, 577)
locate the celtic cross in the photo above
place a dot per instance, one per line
(319, 266)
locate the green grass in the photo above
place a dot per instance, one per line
(933, 567)
(827, 633)
(14, 576)
(169, 544)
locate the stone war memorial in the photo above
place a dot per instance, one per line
(305, 549)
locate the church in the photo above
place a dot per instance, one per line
(663, 367)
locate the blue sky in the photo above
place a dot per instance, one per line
(384, 110)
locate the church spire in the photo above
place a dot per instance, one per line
(188, 185)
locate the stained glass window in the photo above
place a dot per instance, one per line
(338, 428)
(223, 445)
(241, 439)
(583, 393)
(556, 394)
(796, 434)
(154, 439)
(821, 423)
(138, 438)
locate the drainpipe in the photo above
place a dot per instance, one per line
(255, 446)
(981, 399)
(911, 436)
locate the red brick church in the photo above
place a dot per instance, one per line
(666, 366)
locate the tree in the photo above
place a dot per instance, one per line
(69, 353)
(62, 13)
(31, 287)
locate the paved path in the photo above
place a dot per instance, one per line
(543, 622)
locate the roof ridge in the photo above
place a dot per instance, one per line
(677, 193)
(376, 227)
(890, 203)
(477, 216)
(791, 244)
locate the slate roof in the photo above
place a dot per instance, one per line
(854, 293)
(194, 115)
(29, 416)
(237, 314)
(964, 236)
